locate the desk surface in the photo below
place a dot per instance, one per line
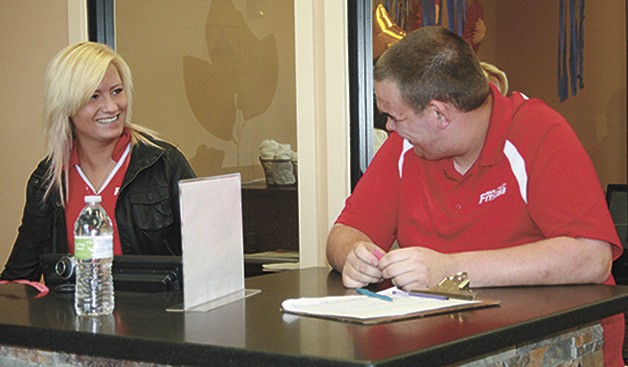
(254, 331)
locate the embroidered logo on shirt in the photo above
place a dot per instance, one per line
(493, 194)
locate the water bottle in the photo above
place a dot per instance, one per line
(93, 253)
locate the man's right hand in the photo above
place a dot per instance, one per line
(352, 253)
(361, 265)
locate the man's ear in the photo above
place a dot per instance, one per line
(442, 112)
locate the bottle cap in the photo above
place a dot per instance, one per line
(93, 199)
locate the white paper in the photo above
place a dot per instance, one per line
(363, 307)
(211, 231)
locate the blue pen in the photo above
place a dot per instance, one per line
(366, 292)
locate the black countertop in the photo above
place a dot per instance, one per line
(254, 331)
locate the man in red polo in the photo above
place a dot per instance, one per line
(469, 180)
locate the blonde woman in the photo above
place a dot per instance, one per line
(94, 149)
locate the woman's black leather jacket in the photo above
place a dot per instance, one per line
(147, 211)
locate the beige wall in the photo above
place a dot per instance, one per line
(322, 121)
(522, 40)
(31, 32)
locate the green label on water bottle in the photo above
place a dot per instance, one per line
(87, 247)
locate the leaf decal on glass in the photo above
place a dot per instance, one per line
(238, 81)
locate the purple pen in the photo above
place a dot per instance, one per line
(424, 295)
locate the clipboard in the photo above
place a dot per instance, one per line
(391, 305)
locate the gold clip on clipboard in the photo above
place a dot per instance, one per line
(456, 286)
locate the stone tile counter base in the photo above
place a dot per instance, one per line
(582, 347)
(24, 357)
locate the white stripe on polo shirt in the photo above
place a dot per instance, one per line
(111, 174)
(518, 167)
(406, 146)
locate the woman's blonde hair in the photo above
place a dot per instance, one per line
(494, 71)
(71, 78)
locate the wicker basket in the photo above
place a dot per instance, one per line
(279, 171)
